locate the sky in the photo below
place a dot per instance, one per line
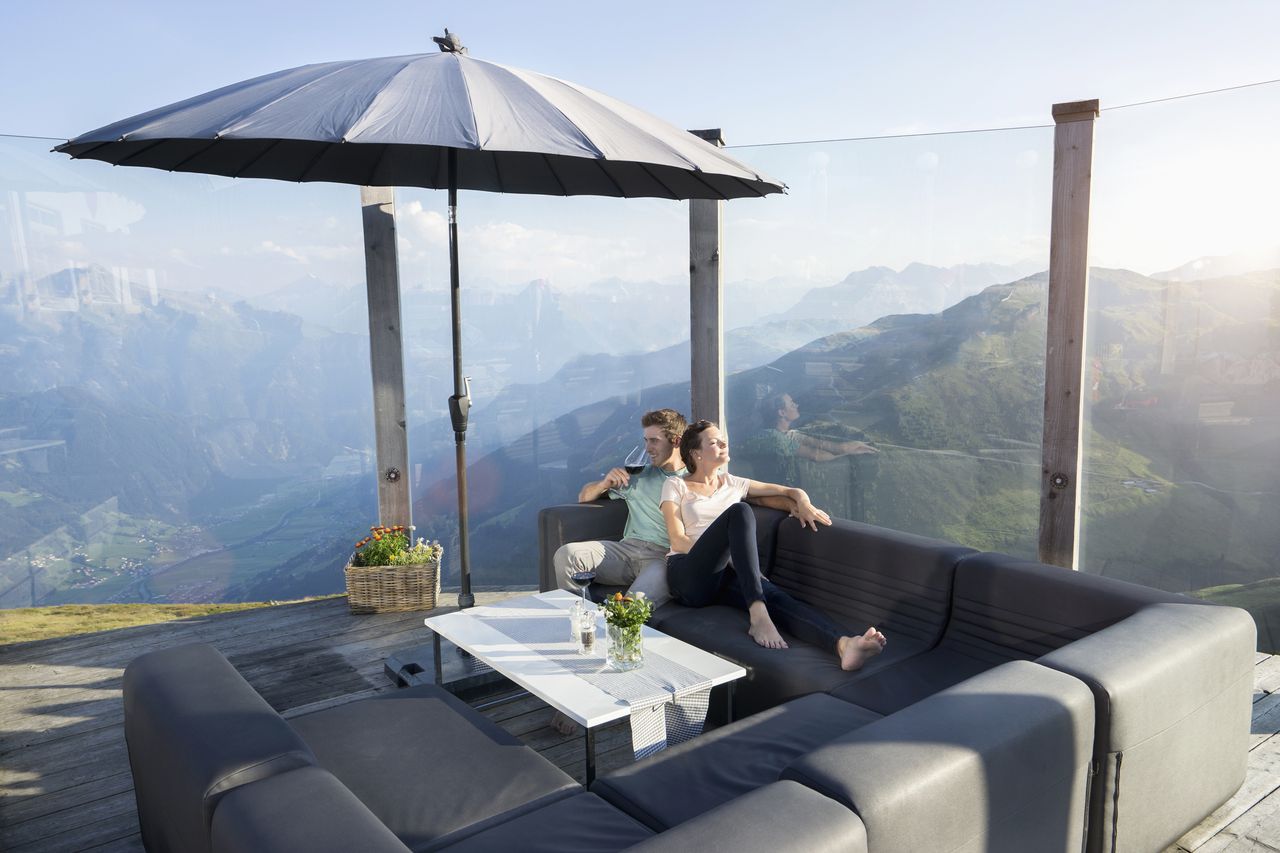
(1172, 181)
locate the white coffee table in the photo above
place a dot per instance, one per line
(473, 630)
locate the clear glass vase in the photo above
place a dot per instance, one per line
(626, 647)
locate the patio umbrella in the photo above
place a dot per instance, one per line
(441, 120)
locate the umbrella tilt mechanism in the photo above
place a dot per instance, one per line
(459, 407)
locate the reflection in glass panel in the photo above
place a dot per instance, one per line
(1183, 344)
(169, 430)
(185, 403)
(887, 329)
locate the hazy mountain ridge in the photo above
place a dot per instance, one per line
(868, 294)
(958, 458)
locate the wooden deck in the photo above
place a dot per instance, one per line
(64, 775)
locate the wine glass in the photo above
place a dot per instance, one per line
(582, 578)
(636, 460)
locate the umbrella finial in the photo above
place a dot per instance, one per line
(449, 42)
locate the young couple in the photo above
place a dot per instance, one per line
(690, 537)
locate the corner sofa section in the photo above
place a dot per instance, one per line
(216, 769)
(1170, 677)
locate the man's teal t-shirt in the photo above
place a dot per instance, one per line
(644, 511)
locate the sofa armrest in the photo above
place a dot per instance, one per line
(306, 809)
(195, 729)
(778, 817)
(997, 762)
(559, 525)
(1172, 686)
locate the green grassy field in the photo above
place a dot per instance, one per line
(26, 624)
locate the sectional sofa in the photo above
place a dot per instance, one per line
(972, 637)
(1019, 708)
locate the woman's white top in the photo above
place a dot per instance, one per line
(696, 511)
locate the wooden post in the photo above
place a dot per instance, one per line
(386, 354)
(706, 304)
(1065, 335)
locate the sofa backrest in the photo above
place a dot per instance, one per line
(867, 575)
(1005, 608)
(195, 729)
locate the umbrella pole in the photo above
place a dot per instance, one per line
(460, 402)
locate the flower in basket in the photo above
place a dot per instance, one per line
(627, 611)
(390, 546)
(389, 571)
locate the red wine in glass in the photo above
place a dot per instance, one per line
(636, 460)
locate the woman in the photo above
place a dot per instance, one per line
(711, 530)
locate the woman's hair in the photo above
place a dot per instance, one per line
(691, 441)
(672, 422)
(769, 407)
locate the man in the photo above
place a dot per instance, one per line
(640, 558)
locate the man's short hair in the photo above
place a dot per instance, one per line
(672, 422)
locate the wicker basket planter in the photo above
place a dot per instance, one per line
(385, 589)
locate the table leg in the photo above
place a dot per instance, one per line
(728, 703)
(435, 645)
(591, 756)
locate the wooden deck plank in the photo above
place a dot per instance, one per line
(64, 778)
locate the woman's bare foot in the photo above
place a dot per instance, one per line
(856, 651)
(762, 629)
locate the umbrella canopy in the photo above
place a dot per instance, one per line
(391, 122)
(439, 120)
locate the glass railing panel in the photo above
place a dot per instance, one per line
(575, 321)
(887, 330)
(1182, 417)
(184, 387)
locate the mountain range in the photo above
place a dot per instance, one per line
(204, 428)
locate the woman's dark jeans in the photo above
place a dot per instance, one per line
(727, 549)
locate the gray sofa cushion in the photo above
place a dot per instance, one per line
(999, 762)
(1003, 609)
(773, 675)
(860, 575)
(1173, 688)
(780, 817)
(195, 729)
(580, 824)
(864, 575)
(695, 777)
(307, 809)
(424, 739)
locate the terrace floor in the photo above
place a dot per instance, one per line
(64, 774)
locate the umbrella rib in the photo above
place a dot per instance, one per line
(602, 163)
(748, 185)
(645, 168)
(546, 158)
(497, 173)
(88, 152)
(324, 149)
(140, 151)
(373, 170)
(263, 153)
(698, 176)
(185, 160)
